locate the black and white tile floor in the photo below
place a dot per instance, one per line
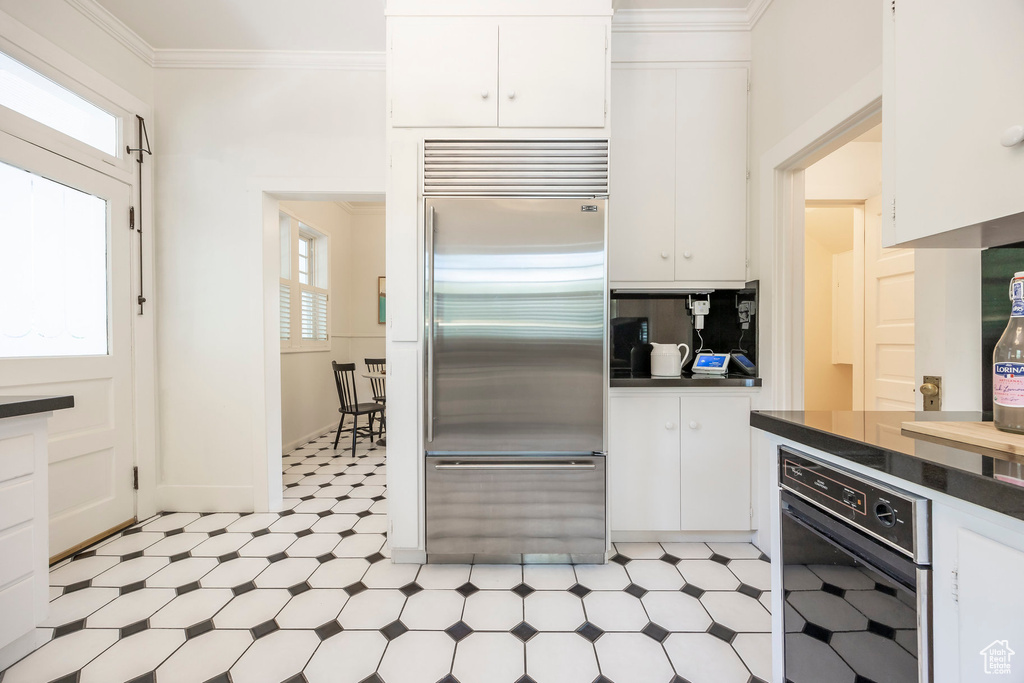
(844, 627)
(308, 594)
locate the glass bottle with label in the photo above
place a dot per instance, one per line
(1008, 366)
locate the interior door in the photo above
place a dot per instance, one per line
(889, 379)
(65, 328)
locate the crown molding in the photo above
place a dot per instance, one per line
(268, 59)
(362, 208)
(115, 28)
(685, 20)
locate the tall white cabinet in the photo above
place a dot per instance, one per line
(678, 175)
(504, 69)
(952, 90)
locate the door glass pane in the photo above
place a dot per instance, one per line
(33, 95)
(53, 268)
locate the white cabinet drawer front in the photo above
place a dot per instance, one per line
(643, 463)
(17, 503)
(17, 454)
(444, 72)
(17, 606)
(15, 555)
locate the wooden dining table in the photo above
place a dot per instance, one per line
(382, 441)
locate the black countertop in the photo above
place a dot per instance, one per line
(16, 406)
(990, 479)
(621, 377)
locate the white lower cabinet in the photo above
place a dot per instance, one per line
(679, 462)
(978, 615)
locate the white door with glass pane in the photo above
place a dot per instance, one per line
(65, 328)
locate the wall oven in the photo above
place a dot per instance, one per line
(856, 576)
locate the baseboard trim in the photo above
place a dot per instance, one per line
(408, 556)
(682, 536)
(302, 441)
(90, 541)
(194, 498)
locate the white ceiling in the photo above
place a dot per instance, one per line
(298, 25)
(306, 25)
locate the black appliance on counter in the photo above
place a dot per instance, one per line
(856, 576)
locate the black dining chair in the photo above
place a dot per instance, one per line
(345, 378)
(377, 384)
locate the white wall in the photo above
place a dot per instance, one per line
(827, 385)
(60, 23)
(226, 136)
(309, 399)
(359, 330)
(852, 172)
(807, 57)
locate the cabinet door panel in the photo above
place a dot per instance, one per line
(444, 72)
(715, 463)
(641, 228)
(552, 73)
(643, 463)
(711, 179)
(954, 79)
(990, 611)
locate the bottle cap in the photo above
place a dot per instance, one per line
(1019, 273)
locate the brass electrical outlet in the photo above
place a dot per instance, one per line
(931, 390)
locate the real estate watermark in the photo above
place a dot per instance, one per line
(997, 656)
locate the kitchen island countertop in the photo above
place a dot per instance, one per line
(990, 479)
(16, 406)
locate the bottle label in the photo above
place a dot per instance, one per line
(1008, 384)
(1017, 295)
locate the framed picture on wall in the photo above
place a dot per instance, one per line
(381, 301)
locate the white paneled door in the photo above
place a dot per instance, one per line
(65, 328)
(889, 381)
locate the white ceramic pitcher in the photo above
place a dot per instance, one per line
(667, 360)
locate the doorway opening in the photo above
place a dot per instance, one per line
(858, 297)
(324, 261)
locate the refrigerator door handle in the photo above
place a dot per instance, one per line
(429, 249)
(570, 465)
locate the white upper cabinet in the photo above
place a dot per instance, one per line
(642, 171)
(444, 72)
(543, 72)
(952, 88)
(552, 73)
(711, 176)
(678, 176)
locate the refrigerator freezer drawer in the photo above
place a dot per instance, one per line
(516, 509)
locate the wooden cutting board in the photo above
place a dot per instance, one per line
(979, 434)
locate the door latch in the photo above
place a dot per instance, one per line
(931, 390)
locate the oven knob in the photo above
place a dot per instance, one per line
(885, 514)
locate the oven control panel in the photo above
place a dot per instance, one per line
(888, 514)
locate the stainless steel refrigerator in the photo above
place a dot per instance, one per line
(515, 379)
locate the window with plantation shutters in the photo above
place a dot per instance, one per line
(304, 293)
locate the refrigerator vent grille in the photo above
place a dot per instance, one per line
(515, 168)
